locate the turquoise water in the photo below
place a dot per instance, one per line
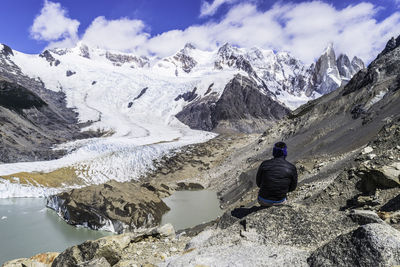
(27, 228)
(190, 208)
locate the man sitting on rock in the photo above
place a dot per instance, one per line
(276, 177)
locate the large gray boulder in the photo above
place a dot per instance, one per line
(113, 206)
(276, 236)
(304, 227)
(369, 245)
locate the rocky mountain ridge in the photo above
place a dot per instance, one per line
(277, 71)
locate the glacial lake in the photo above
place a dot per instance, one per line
(190, 208)
(28, 228)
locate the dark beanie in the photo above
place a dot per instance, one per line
(280, 150)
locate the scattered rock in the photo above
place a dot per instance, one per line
(189, 186)
(364, 217)
(387, 176)
(129, 249)
(166, 230)
(367, 150)
(367, 200)
(70, 73)
(97, 262)
(188, 96)
(40, 260)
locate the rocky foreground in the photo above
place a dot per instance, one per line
(345, 211)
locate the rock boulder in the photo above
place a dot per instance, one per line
(113, 206)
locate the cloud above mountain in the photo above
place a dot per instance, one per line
(53, 25)
(303, 29)
(122, 34)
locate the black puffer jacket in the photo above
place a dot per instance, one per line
(275, 178)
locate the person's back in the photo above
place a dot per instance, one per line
(276, 177)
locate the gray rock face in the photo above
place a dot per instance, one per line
(347, 69)
(384, 68)
(6, 51)
(119, 59)
(18, 98)
(344, 66)
(188, 96)
(241, 101)
(326, 77)
(330, 73)
(32, 118)
(276, 236)
(70, 73)
(391, 45)
(186, 61)
(303, 227)
(114, 206)
(231, 57)
(357, 64)
(198, 115)
(369, 245)
(144, 90)
(84, 51)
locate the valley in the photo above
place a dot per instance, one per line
(344, 142)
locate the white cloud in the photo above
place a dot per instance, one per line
(123, 34)
(209, 9)
(53, 25)
(303, 29)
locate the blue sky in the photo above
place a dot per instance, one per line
(161, 27)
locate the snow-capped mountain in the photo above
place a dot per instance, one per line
(330, 73)
(146, 102)
(291, 82)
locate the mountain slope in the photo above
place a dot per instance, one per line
(32, 118)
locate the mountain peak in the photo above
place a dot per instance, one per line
(391, 45)
(329, 50)
(189, 46)
(6, 50)
(226, 48)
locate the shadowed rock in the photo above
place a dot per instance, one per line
(241, 106)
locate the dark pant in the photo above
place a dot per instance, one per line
(264, 203)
